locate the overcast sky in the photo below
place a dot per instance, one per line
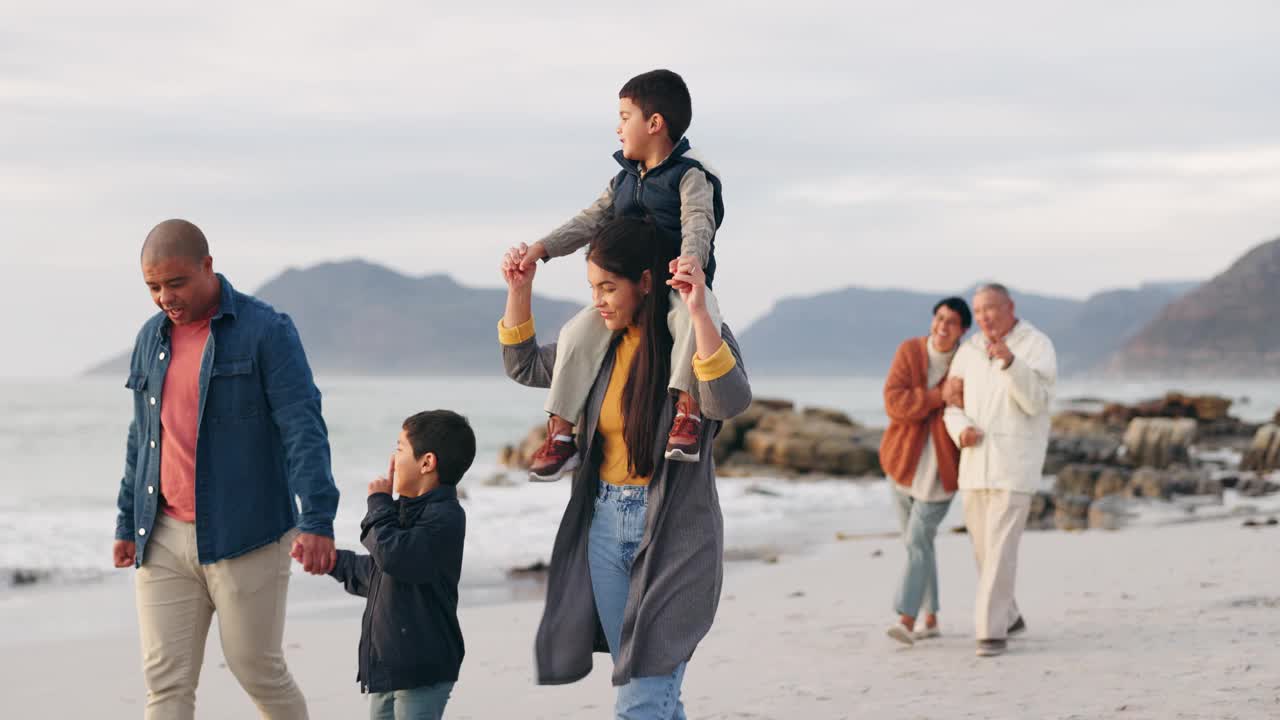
(1063, 147)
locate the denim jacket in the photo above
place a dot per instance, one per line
(261, 439)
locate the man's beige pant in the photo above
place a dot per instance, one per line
(995, 519)
(177, 597)
(584, 341)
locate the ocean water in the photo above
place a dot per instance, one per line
(62, 455)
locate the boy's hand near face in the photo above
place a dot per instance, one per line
(384, 484)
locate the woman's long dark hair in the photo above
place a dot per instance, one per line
(627, 247)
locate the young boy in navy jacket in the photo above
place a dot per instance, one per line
(410, 641)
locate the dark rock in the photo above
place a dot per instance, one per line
(1076, 480)
(1206, 485)
(1149, 482)
(1071, 512)
(1118, 415)
(538, 568)
(1158, 442)
(1041, 514)
(1256, 487)
(1075, 422)
(1111, 481)
(1206, 408)
(1066, 449)
(733, 431)
(1263, 453)
(829, 415)
(1109, 513)
(1091, 480)
(26, 577)
(812, 442)
(519, 456)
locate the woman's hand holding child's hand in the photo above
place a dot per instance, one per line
(517, 270)
(688, 279)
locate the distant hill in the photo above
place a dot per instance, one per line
(1224, 328)
(1102, 324)
(357, 318)
(856, 330)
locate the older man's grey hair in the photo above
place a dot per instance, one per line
(995, 288)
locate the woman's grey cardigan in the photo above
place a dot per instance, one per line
(679, 566)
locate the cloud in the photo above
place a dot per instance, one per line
(1066, 146)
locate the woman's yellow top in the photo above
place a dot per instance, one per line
(613, 466)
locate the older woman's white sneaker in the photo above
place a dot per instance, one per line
(927, 633)
(900, 633)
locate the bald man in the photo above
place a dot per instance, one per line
(226, 443)
(1001, 388)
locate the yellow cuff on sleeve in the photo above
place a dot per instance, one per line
(515, 335)
(716, 366)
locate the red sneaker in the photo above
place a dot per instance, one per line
(557, 456)
(684, 442)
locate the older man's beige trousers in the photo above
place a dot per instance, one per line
(176, 599)
(995, 519)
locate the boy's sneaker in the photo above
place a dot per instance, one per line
(684, 442)
(557, 456)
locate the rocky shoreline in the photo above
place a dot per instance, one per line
(1107, 459)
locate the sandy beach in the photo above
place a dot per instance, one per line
(1177, 621)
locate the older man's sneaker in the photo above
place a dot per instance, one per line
(1017, 628)
(991, 648)
(557, 456)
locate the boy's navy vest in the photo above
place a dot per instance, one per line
(657, 194)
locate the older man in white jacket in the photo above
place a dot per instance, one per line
(999, 392)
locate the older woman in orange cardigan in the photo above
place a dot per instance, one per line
(921, 460)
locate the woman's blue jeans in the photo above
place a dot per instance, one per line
(616, 531)
(919, 521)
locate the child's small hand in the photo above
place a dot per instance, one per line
(531, 255)
(384, 484)
(673, 267)
(690, 281)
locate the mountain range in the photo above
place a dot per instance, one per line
(358, 318)
(1223, 328)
